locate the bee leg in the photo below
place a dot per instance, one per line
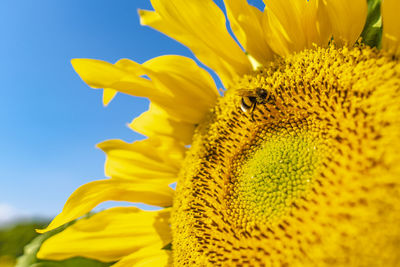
(252, 112)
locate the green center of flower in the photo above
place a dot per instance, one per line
(273, 175)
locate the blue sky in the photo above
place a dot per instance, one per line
(50, 120)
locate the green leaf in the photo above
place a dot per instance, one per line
(167, 246)
(372, 32)
(14, 237)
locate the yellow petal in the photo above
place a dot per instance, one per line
(391, 25)
(157, 122)
(177, 84)
(247, 24)
(191, 89)
(347, 19)
(199, 25)
(293, 25)
(108, 95)
(146, 257)
(110, 235)
(170, 150)
(96, 73)
(88, 196)
(144, 159)
(120, 77)
(172, 69)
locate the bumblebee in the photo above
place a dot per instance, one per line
(251, 98)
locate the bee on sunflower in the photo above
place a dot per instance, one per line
(295, 165)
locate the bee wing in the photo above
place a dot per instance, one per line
(245, 92)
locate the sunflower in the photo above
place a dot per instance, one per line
(295, 165)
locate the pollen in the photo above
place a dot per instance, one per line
(269, 177)
(310, 177)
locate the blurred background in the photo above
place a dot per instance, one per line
(51, 120)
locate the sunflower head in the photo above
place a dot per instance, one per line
(295, 165)
(296, 181)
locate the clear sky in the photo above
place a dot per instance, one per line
(50, 120)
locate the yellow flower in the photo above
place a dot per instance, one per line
(296, 165)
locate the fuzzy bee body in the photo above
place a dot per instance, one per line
(251, 98)
(248, 104)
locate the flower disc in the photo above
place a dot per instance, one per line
(310, 177)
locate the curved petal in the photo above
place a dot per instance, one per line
(247, 24)
(391, 25)
(170, 150)
(110, 235)
(176, 83)
(172, 69)
(294, 25)
(192, 91)
(199, 25)
(123, 76)
(142, 159)
(347, 19)
(156, 122)
(88, 196)
(108, 95)
(147, 257)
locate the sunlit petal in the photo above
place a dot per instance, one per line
(199, 25)
(176, 83)
(294, 25)
(110, 235)
(143, 158)
(88, 196)
(347, 18)
(391, 25)
(146, 257)
(247, 24)
(156, 122)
